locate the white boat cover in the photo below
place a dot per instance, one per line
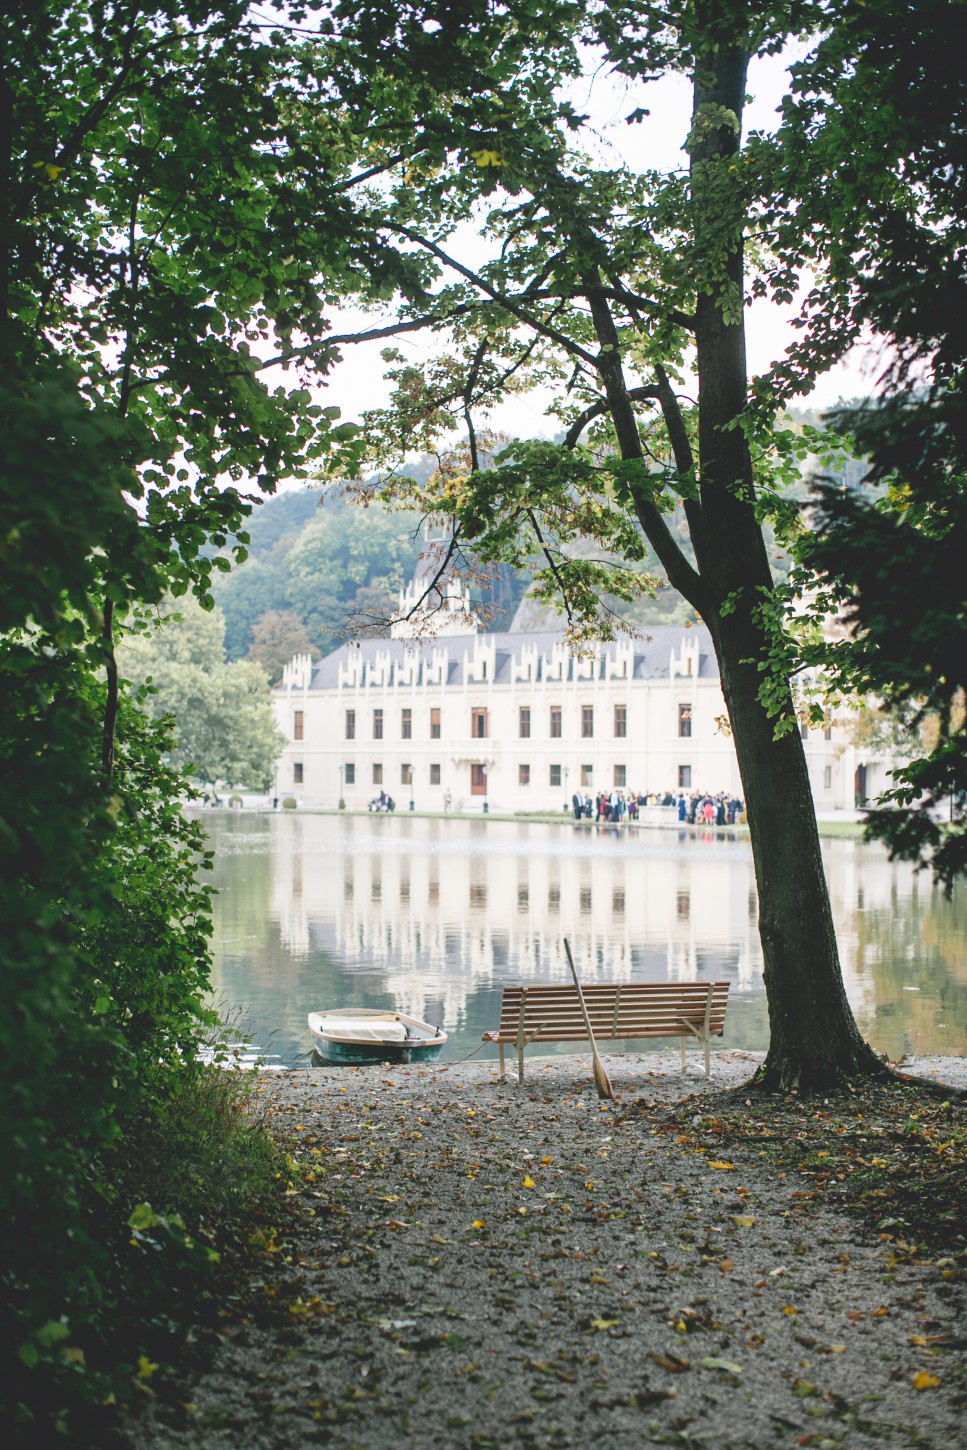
(363, 1029)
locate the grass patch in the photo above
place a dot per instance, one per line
(168, 1215)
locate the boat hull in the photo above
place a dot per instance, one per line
(356, 1054)
(358, 1037)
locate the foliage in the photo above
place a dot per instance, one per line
(223, 723)
(889, 553)
(337, 571)
(163, 225)
(278, 636)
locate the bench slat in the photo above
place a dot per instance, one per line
(618, 1011)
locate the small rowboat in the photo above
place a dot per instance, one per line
(354, 1036)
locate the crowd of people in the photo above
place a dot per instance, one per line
(697, 809)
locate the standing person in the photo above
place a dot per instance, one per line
(447, 801)
(576, 806)
(720, 811)
(682, 808)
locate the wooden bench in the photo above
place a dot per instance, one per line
(618, 1011)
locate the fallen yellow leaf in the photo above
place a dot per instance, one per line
(743, 1220)
(716, 1163)
(925, 1381)
(529, 1182)
(479, 1223)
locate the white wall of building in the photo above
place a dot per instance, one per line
(331, 715)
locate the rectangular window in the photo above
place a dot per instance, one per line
(434, 775)
(684, 777)
(377, 724)
(435, 723)
(685, 721)
(297, 772)
(804, 729)
(587, 722)
(555, 775)
(524, 727)
(828, 733)
(298, 726)
(587, 775)
(406, 775)
(478, 780)
(621, 775)
(523, 775)
(350, 724)
(620, 722)
(350, 773)
(828, 777)
(555, 722)
(478, 724)
(406, 725)
(377, 775)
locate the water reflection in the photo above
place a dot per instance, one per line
(433, 916)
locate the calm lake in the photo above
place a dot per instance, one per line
(433, 916)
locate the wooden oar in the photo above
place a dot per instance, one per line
(601, 1080)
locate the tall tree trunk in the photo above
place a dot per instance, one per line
(814, 1038)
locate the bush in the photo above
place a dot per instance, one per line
(289, 803)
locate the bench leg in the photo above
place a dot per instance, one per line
(520, 1064)
(503, 1066)
(707, 1069)
(681, 1043)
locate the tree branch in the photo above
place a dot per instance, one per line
(597, 409)
(508, 303)
(680, 572)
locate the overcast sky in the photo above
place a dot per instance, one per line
(356, 383)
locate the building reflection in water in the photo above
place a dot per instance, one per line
(443, 909)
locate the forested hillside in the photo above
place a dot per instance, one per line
(320, 569)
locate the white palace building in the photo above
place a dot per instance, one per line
(517, 723)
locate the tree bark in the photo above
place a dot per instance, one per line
(814, 1040)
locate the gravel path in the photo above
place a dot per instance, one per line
(474, 1264)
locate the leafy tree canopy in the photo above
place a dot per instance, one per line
(222, 718)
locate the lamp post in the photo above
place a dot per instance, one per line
(411, 788)
(342, 803)
(567, 772)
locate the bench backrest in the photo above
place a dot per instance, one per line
(616, 1010)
